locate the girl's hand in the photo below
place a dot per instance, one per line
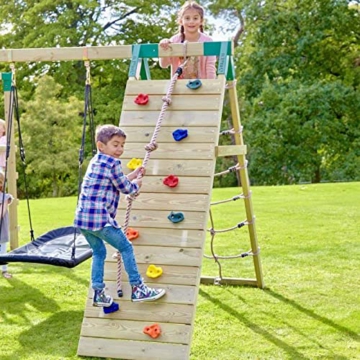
(165, 44)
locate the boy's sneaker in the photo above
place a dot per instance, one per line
(143, 293)
(101, 299)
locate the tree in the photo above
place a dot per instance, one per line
(51, 128)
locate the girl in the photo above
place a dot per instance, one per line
(4, 220)
(191, 21)
(2, 142)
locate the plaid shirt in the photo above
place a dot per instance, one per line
(100, 193)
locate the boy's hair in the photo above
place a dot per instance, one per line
(190, 5)
(105, 133)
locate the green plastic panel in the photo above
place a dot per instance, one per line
(7, 80)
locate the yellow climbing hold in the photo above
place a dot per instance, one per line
(134, 163)
(154, 271)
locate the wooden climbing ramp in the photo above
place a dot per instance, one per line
(176, 247)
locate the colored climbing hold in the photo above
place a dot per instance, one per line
(176, 217)
(134, 163)
(132, 234)
(153, 331)
(180, 134)
(142, 99)
(154, 271)
(171, 181)
(112, 308)
(194, 84)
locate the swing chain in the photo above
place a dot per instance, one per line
(13, 77)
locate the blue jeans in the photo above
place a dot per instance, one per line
(116, 238)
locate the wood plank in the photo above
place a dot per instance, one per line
(139, 350)
(186, 185)
(176, 275)
(133, 330)
(162, 256)
(181, 202)
(174, 150)
(230, 150)
(160, 87)
(175, 294)
(178, 102)
(149, 311)
(158, 219)
(143, 134)
(178, 167)
(176, 237)
(171, 118)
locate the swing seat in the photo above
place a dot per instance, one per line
(53, 248)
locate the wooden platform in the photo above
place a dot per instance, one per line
(177, 248)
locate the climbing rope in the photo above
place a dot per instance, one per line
(149, 148)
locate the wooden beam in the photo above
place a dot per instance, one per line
(230, 150)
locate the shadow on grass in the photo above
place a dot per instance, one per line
(20, 297)
(293, 353)
(315, 316)
(57, 337)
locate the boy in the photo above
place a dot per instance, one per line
(96, 211)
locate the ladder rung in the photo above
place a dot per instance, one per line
(230, 150)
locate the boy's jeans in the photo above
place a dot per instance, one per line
(116, 238)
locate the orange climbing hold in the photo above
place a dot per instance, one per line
(154, 271)
(132, 234)
(153, 331)
(142, 99)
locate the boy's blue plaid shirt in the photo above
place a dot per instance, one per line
(100, 193)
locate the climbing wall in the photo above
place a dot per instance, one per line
(175, 247)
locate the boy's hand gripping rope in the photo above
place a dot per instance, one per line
(149, 148)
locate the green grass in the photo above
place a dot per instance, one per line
(310, 309)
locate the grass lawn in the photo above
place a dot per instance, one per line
(310, 309)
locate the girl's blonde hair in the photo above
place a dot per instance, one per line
(3, 123)
(2, 180)
(190, 5)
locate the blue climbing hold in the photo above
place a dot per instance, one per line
(112, 308)
(179, 134)
(194, 84)
(176, 217)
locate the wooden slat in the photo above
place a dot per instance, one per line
(162, 256)
(160, 87)
(158, 219)
(133, 330)
(179, 102)
(175, 294)
(176, 275)
(186, 185)
(173, 238)
(230, 150)
(175, 150)
(171, 118)
(181, 202)
(176, 167)
(136, 134)
(148, 311)
(139, 350)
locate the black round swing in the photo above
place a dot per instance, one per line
(64, 246)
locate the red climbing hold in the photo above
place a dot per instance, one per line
(171, 181)
(142, 99)
(153, 331)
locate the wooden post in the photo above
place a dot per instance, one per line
(11, 169)
(245, 184)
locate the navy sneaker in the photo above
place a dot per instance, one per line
(143, 293)
(101, 299)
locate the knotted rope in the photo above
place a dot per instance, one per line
(148, 148)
